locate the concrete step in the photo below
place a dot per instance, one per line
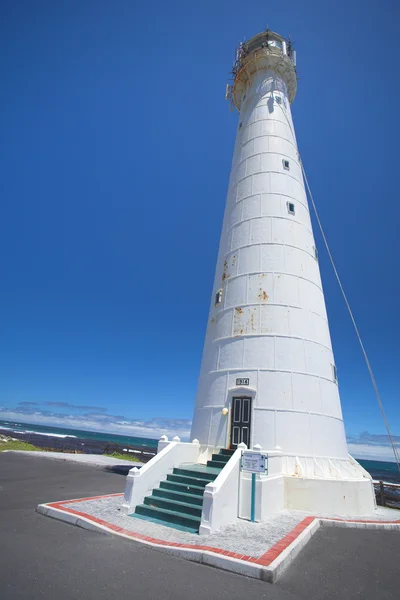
(169, 516)
(154, 519)
(222, 458)
(173, 505)
(226, 451)
(183, 488)
(200, 471)
(190, 481)
(216, 464)
(179, 496)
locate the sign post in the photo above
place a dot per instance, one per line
(254, 462)
(253, 498)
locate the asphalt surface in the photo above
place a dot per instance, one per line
(347, 563)
(46, 559)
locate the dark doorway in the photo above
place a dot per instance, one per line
(241, 421)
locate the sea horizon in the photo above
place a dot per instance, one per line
(378, 469)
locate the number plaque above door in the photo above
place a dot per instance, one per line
(243, 381)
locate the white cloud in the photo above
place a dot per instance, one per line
(104, 423)
(371, 452)
(373, 446)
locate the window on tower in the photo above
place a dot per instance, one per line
(334, 373)
(315, 252)
(290, 208)
(286, 164)
(218, 297)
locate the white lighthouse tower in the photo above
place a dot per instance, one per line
(268, 430)
(268, 374)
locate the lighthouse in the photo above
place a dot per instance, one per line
(268, 375)
(268, 431)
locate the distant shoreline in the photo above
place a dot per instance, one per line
(79, 444)
(96, 442)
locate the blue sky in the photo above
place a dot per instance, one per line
(117, 144)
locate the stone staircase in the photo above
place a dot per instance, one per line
(178, 501)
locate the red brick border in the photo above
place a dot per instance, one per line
(265, 560)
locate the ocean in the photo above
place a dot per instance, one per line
(61, 432)
(381, 471)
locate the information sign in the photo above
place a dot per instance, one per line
(254, 462)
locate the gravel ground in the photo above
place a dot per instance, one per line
(245, 537)
(96, 460)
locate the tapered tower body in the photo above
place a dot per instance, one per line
(268, 373)
(268, 387)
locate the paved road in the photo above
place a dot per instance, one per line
(46, 559)
(346, 564)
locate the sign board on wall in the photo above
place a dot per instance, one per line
(254, 462)
(243, 381)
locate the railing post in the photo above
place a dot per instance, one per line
(382, 491)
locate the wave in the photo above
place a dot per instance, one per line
(58, 435)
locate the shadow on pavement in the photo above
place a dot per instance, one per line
(119, 469)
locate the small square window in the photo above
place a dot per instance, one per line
(218, 297)
(286, 164)
(334, 373)
(278, 99)
(315, 252)
(290, 208)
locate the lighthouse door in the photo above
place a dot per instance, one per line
(240, 421)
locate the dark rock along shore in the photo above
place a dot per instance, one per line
(81, 445)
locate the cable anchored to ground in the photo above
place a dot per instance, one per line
(371, 373)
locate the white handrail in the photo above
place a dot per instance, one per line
(140, 482)
(221, 497)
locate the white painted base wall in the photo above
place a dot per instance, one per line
(329, 496)
(270, 496)
(324, 487)
(317, 496)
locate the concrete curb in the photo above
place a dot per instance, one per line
(287, 556)
(194, 554)
(269, 567)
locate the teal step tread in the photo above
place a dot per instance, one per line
(171, 516)
(226, 451)
(182, 487)
(185, 479)
(216, 464)
(194, 478)
(166, 523)
(174, 505)
(222, 458)
(179, 496)
(199, 468)
(210, 475)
